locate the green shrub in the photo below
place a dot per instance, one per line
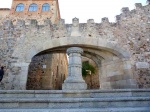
(87, 66)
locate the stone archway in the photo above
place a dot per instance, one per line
(103, 52)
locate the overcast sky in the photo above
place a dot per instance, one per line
(88, 9)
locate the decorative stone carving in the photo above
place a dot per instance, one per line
(74, 79)
(75, 30)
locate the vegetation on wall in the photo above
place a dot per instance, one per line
(87, 66)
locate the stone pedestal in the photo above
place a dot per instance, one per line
(74, 79)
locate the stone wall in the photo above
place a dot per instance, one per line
(128, 40)
(135, 25)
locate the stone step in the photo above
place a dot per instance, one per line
(65, 103)
(128, 109)
(75, 93)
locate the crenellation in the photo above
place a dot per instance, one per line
(127, 14)
(133, 13)
(138, 6)
(125, 10)
(147, 8)
(118, 19)
(91, 21)
(89, 29)
(105, 20)
(60, 30)
(75, 28)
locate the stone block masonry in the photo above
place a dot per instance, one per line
(121, 49)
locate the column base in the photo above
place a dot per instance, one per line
(74, 86)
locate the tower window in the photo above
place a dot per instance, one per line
(33, 7)
(20, 7)
(46, 7)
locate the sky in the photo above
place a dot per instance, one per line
(88, 9)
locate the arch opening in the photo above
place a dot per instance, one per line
(109, 76)
(114, 65)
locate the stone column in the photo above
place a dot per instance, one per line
(74, 79)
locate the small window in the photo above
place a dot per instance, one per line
(46, 7)
(33, 7)
(20, 7)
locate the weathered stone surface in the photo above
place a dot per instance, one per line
(104, 42)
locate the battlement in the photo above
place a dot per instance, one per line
(125, 13)
(20, 22)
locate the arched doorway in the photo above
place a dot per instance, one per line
(115, 70)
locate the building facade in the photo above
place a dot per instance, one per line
(36, 9)
(32, 9)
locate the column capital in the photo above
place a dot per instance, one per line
(74, 50)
